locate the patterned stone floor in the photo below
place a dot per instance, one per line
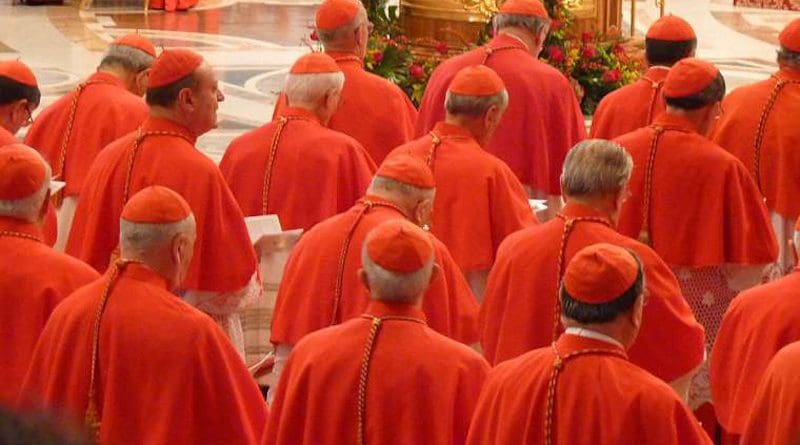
(251, 44)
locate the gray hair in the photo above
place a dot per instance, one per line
(29, 207)
(332, 38)
(308, 88)
(458, 104)
(132, 59)
(407, 191)
(595, 166)
(140, 238)
(391, 286)
(533, 24)
(789, 57)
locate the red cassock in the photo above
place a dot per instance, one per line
(320, 286)
(224, 260)
(296, 168)
(775, 417)
(34, 280)
(631, 107)
(600, 398)
(759, 127)
(542, 122)
(700, 195)
(50, 228)
(373, 110)
(478, 200)
(71, 132)
(758, 323)
(520, 311)
(419, 388)
(166, 373)
(172, 5)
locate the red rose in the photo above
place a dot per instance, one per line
(416, 72)
(619, 50)
(555, 25)
(314, 35)
(587, 36)
(555, 54)
(442, 48)
(377, 56)
(612, 76)
(589, 52)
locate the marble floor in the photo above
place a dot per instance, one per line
(251, 43)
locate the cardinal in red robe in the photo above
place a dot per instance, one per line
(20, 96)
(695, 204)
(384, 377)
(775, 416)
(373, 110)
(582, 389)
(521, 310)
(758, 323)
(70, 133)
(295, 167)
(759, 127)
(479, 201)
(543, 119)
(35, 278)
(134, 364)
(320, 286)
(668, 40)
(183, 99)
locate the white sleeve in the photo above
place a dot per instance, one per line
(282, 352)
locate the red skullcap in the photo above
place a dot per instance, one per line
(22, 172)
(333, 14)
(173, 65)
(790, 36)
(18, 72)
(408, 170)
(689, 77)
(137, 42)
(478, 80)
(600, 273)
(527, 8)
(315, 63)
(671, 28)
(156, 205)
(399, 246)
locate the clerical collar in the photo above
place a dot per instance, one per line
(670, 121)
(157, 124)
(105, 77)
(381, 309)
(446, 130)
(299, 113)
(502, 34)
(343, 57)
(574, 209)
(10, 224)
(140, 272)
(657, 73)
(594, 335)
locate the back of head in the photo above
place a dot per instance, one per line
(337, 20)
(601, 282)
(474, 90)
(24, 183)
(595, 167)
(131, 52)
(397, 259)
(668, 40)
(530, 15)
(789, 53)
(404, 179)
(17, 82)
(693, 84)
(173, 71)
(311, 78)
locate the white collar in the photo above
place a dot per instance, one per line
(588, 333)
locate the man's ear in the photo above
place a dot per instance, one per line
(45, 205)
(436, 271)
(186, 98)
(362, 277)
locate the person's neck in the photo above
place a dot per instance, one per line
(310, 109)
(350, 51)
(159, 112)
(603, 204)
(118, 72)
(153, 264)
(520, 34)
(474, 127)
(612, 330)
(390, 197)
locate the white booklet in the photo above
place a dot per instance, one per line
(56, 186)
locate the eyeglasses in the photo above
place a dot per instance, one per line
(29, 119)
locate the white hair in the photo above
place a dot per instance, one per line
(28, 208)
(309, 88)
(391, 286)
(533, 24)
(595, 166)
(407, 191)
(333, 39)
(132, 59)
(140, 238)
(458, 104)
